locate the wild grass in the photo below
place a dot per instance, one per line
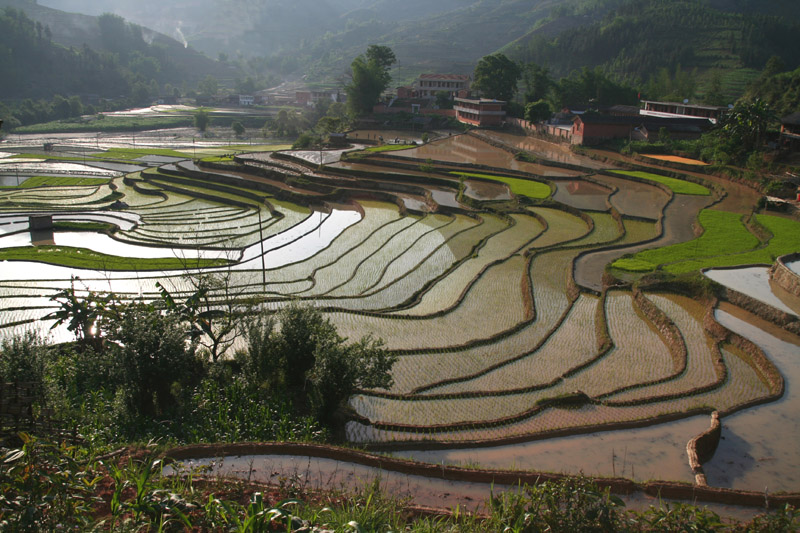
(520, 187)
(677, 186)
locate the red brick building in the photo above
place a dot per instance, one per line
(480, 112)
(594, 128)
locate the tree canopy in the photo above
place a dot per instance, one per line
(496, 76)
(370, 77)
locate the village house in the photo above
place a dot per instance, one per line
(426, 86)
(593, 128)
(685, 109)
(311, 98)
(480, 112)
(790, 131)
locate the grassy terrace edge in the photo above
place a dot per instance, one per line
(89, 259)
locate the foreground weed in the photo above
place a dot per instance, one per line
(44, 488)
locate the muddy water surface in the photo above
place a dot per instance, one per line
(544, 149)
(656, 452)
(759, 447)
(752, 281)
(469, 149)
(582, 194)
(311, 473)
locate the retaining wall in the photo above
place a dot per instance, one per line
(664, 489)
(785, 277)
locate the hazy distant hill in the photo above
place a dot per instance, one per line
(632, 38)
(235, 27)
(76, 30)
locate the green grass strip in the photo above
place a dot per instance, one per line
(89, 259)
(59, 181)
(521, 187)
(135, 153)
(390, 148)
(677, 186)
(97, 227)
(109, 123)
(725, 242)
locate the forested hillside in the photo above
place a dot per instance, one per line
(640, 37)
(33, 66)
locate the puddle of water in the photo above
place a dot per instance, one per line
(485, 190)
(655, 452)
(312, 473)
(752, 281)
(327, 474)
(582, 194)
(415, 203)
(759, 450)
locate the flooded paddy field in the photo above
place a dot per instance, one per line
(493, 302)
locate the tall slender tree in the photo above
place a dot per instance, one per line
(370, 77)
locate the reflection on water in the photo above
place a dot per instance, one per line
(547, 150)
(582, 194)
(759, 447)
(656, 452)
(752, 281)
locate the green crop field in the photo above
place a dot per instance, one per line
(522, 187)
(675, 185)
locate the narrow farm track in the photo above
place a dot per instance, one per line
(495, 308)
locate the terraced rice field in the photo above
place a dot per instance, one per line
(494, 337)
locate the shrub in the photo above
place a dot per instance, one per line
(154, 354)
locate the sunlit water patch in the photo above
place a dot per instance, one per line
(752, 281)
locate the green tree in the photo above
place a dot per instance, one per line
(154, 354)
(537, 82)
(314, 365)
(208, 86)
(201, 120)
(238, 128)
(370, 77)
(538, 111)
(746, 125)
(714, 95)
(496, 76)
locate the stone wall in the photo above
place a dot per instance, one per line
(785, 277)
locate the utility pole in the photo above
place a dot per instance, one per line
(263, 261)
